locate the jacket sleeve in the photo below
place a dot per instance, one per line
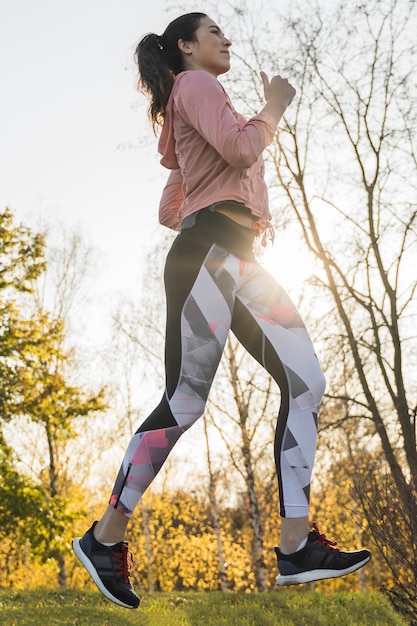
(171, 200)
(204, 104)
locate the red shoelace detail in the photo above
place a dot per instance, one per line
(322, 539)
(124, 562)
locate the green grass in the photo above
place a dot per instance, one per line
(278, 608)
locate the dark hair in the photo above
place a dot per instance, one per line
(159, 59)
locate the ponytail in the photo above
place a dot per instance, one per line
(155, 76)
(159, 60)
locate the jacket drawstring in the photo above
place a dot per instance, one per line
(265, 231)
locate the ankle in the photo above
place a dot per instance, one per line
(106, 536)
(293, 533)
(111, 528)
(291, 547)
(106, 533)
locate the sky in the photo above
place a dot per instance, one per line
(76, 150)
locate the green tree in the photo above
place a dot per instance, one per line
(36, 392)
(21, 262)
(49, 401)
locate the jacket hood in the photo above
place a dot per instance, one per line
(166, 144)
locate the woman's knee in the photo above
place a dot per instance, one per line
(187, 411)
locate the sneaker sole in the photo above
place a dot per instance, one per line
(318, 574)
(83, 558)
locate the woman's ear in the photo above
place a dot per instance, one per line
(185, 46)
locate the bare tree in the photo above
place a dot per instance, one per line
(251, 411)
(343, 174)
(345, 171)
(215, 510)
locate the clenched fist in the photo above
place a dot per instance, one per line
(278, 88)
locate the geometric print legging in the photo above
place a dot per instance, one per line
(214, 284)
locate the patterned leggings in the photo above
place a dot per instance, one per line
(213, 284)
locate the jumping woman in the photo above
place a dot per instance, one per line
(217, 200)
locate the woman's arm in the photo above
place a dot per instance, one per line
(203, 103)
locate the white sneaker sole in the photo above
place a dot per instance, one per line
(83, 558)
(318, 574)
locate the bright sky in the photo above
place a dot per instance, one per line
(71, 123)
(75, 145)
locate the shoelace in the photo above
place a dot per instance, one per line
(124, 563)
(322, 539)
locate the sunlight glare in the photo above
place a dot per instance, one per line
(289, 262)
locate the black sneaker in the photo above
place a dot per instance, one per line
(109, 567)
(317, 560)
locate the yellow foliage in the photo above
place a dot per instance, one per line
(175, 545)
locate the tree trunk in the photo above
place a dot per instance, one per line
(148, 549)
(215, 514)
(62, 572)
(258, 562)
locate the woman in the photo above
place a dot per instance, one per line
(217, 198)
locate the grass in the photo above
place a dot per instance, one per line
(286, 606)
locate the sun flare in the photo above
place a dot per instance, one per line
(289, 262)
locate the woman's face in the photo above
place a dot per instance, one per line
(210, 51)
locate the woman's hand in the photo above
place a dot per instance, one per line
(278, 89)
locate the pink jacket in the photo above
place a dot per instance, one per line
(215, 154)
